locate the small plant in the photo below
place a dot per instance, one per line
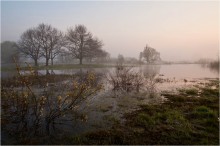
(124, 78)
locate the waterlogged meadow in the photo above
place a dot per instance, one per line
(121, 104)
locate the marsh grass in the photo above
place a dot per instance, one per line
(180, 120)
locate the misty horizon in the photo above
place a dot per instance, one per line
(110, 72)
(126, 27)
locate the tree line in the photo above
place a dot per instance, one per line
(45, 41)
(9, 51)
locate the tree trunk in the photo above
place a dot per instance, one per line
(35, 62)
(47, 62)
(81, 52)
(51, 61)
(80, 61)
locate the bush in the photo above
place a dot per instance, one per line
(124, 78)
(32, 111)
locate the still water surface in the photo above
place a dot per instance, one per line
(179, 71)
(107, 108)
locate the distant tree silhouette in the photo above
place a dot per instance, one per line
(29, 45)
(150, 54)
(41, 41)
(120, 59)
(9, 50)
(81, 43)
(51, 41)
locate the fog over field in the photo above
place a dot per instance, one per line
(110, 72)
(179, 30)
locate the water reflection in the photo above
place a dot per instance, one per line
(102, 106)
(190, 71)
(74, 71)
(150, 73)
(179, 71)
(31, 109)
(213, 68)
(8, 74)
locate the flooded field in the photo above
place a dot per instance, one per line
(110, 73)
(179, 71)
(108, 108)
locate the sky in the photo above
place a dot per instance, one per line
(179, 30)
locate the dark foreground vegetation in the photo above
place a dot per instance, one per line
(190, 117)
(33, 105)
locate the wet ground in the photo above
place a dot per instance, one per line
(108, 108)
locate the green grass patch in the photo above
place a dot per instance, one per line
(204, 112)
(189, 91)
(144, 120)
(210, 92)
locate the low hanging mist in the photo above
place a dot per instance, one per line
(115, 73)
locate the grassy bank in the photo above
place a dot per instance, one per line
(12, 67)
(190, 117)
(57, 67)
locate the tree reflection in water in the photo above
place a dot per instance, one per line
(150, 72)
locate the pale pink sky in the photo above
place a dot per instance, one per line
(186, 30)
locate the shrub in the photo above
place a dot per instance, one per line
(30, 112)
(124, 78)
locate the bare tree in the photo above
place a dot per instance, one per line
(150, 54)
(103, 56)
(56, 44)
(41, 41)
(29, 45)
(43, 34)
(48, 42)
(81, 43)
(94, 49)
(51, 41)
